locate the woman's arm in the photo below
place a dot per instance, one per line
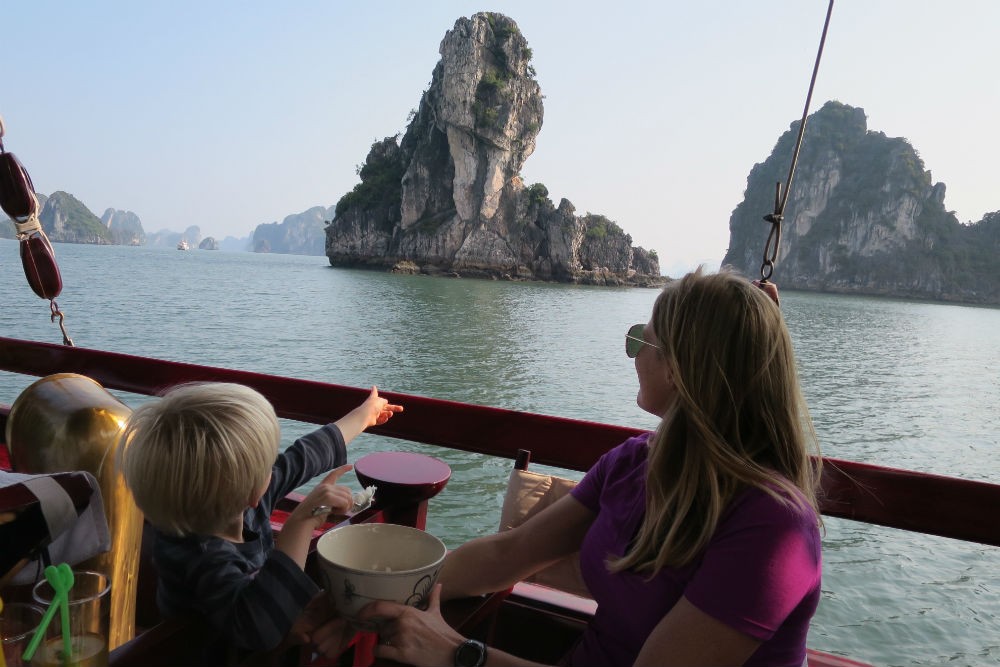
(495, 562)
(688, 637)
(420, 638)
(483, 565)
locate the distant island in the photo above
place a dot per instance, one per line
(65, 219)
(864, 216)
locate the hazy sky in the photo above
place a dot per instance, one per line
(231, 114)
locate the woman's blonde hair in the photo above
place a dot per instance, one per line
(738, 419)
(195, 458)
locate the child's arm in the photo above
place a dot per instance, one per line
(375, 411)
(295, 535)
(298, 528)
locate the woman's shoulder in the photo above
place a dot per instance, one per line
(626, 460)
(775, 505)
(635, 447)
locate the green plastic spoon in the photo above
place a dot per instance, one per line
(61, 580)
(64, 575)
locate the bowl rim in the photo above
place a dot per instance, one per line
(381, 573)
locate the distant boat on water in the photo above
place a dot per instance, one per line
(183, 245)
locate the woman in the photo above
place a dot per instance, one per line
(700, 541)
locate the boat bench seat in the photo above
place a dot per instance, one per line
(560, 587)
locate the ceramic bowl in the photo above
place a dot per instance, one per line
(378, 561)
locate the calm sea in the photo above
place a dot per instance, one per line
(903, 384)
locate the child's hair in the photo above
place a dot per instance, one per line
(198, 456)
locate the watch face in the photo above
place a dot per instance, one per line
(470, 653)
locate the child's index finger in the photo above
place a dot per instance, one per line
(337, 473)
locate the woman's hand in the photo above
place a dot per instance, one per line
(320, 626)
(769, 289)
(411, 636)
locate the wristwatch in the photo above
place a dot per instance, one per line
(470, 653)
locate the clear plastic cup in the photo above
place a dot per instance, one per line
(18, 622)
(89, 619)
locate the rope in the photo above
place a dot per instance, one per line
(54, 307)
(775, 218)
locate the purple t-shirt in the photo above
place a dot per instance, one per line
(760, 573)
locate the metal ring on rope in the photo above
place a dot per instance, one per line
(771, 246)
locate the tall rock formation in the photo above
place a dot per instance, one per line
(863, 217)
(449, 197)
(125, 227)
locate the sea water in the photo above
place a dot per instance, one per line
(904, 384)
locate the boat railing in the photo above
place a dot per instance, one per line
(909, 500)
(916, 501)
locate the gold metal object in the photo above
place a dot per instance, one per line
(67, 422)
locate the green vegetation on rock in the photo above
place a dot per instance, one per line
(598, 227)
(381, 180)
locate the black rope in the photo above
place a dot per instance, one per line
(775, 218)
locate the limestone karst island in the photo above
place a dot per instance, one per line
(448, 197)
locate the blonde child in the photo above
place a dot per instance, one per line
(203, 465)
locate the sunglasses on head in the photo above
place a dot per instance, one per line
(634, 341)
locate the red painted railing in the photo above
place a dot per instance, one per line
(933, 504)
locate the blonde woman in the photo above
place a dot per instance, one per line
(699, 541)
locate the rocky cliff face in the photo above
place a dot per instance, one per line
(65, 219)
(448, 197)
(863, 217)
(124, 226)
(298, 234)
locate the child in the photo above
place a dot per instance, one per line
(203, 465)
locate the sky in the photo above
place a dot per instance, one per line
(227, 115)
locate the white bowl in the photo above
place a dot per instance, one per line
(378, 561)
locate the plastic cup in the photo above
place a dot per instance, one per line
(18, 622)
(89, 618)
